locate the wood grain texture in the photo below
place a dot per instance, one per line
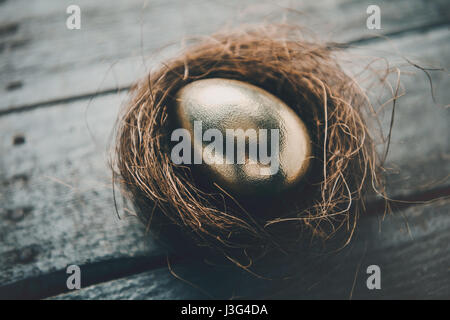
(411, 250)
(419, 148)
(42, 62)
(56, 197)
(56, 204)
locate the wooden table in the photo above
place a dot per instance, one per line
(60, 93)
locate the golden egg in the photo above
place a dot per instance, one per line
(242, 137)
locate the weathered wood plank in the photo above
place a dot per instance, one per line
(42, 61)
(154, 285)
(56, 200)
(54, 283)
(420, 148)
(56, 203)
(411, 250)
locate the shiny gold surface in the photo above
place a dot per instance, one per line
(230, 104)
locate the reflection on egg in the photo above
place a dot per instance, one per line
(243, 138)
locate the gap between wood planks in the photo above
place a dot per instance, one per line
(54, 283)
(93, 273)
(92, 95)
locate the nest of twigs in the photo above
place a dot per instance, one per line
(308, 78)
